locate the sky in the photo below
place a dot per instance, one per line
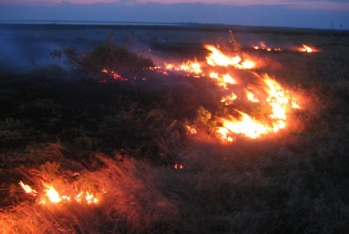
(326, 14)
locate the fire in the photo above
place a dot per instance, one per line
(52, 195)
(269, 93)
(224, 134)
(28, 189)
(186, 66)
(191, 130)
(279, 101)
(192, 67)
(250, 96)
(227, 100)
(245, 126)
(247, 64)
(218, 58)
(306, 48)
(224, 80)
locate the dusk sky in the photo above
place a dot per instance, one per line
(286, 13)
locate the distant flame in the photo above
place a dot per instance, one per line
(307, 49)
(178, 166)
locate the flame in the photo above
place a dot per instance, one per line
(224, 80)
(191, 66)
(250, 96)
(223, 132)
(306, 48)
(279, 101)
(191, 130)
(51, 195)
(28, 189)
(272, 94)
(217, 58)
(229, 98)
(247, 64)
(186, 66)
(245, 126)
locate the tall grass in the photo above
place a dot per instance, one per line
(284, 184)
(293, 181)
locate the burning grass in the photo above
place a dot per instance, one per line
(158, 152)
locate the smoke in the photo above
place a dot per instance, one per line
(23, 55)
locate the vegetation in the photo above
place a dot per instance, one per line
(124, 136)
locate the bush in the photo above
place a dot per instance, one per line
(109, 56)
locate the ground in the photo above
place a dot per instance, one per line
(126, 139)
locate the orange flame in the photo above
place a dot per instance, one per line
(224, 134)
(229, 98)
(191, 130)
(51, 195)
(250, 96)
(224, 80)
(272, 94)
(306, 49)
(217, 58)
(28, 189)
(245, 126)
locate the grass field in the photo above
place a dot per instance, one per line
(117, 149)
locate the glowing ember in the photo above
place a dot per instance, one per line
(191, 130)
(114, 75)
(178, 166)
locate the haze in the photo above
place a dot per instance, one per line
(303, 14)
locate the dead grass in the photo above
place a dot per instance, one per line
(293, 181)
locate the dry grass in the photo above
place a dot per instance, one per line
(293, 181)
